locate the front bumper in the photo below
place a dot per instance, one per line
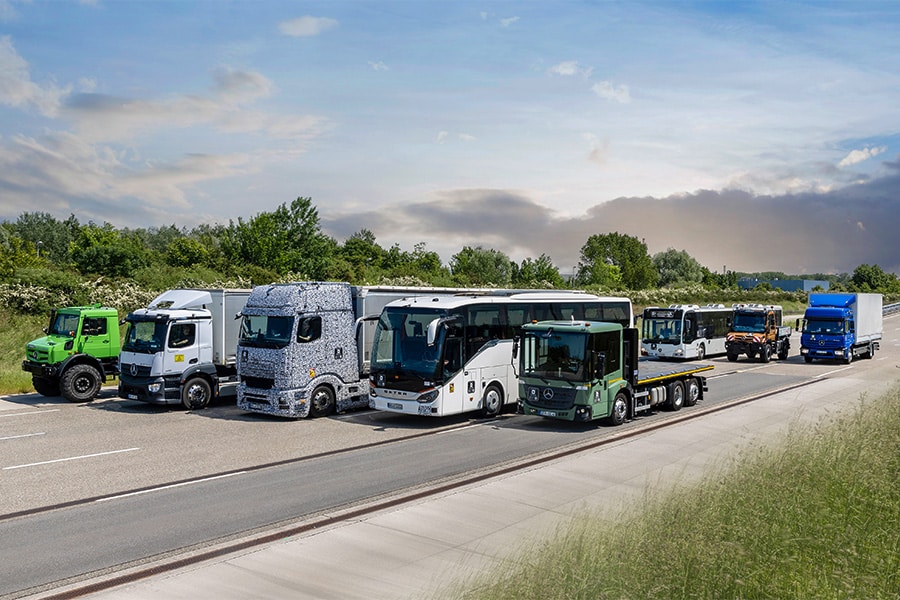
(40, 369)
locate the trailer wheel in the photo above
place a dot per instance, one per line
(492, 401)
(692, 393)
(196, 394)
(619, 411)
(676, 396)
(80, 383)
(45, 386)
(322, 402)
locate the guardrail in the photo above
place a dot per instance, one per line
(889, 309)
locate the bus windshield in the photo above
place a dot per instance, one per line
(400, 342)
(662, 331)
(555, 356)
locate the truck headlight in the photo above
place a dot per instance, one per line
(154, 388)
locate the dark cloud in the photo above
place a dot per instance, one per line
(828, 232)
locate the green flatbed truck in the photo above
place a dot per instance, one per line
(586, 370)
(78, 354)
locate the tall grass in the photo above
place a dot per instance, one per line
(17, 330)
(815, 517)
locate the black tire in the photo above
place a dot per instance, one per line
(765, 354)
(45, 386)
(783, 353)
(732, 357)
(492, 401)
(619, 411)
(675, 396)
(80, 383)
(322, 402)
(808, 359)
(871, 353)
(701, 352)
(692, 392)
(849, 358)
(196, 394)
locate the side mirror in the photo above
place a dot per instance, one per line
(515, 349)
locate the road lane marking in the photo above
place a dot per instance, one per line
(24, 435)
(168, 487)
(47, 462)
(831, 372)
(33, 412)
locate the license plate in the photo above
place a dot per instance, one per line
(132, 396)
(394, 406)
(546, 413)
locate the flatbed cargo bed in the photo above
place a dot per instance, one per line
(652, 370)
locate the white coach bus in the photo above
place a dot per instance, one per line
(450, 355)
(684, 330)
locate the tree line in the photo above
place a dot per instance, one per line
(288, 244)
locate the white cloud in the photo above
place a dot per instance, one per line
(570, 67)
(378, 66)
(18, 90)
(467, 137)
(858, 156)
(306, 26)
(442, 137)
(608, 91)
(508, 21)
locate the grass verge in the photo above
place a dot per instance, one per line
(817, 516)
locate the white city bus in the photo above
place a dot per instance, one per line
(684, 330)
(449, 355)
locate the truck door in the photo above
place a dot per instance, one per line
(95, 338)
(182, 348)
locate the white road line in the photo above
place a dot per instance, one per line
(16, 437)
(167, 487)
(830, 372)
(32, 412)
(47, 462)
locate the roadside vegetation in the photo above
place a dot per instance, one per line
(816, 516)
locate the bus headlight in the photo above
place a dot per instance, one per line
(428, 396)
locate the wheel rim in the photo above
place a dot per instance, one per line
(619, 409)
(693, 392)
(196, 395)
(677, 396)
(321, 401)
(82, 384)
(492, 401)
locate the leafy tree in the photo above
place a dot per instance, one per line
(422, 264)
(537, 273)
(186, 252)
(105, 251)
(480, 267)
(287, 240)
(871, 278)
(626, 253)
(49, 235)
(677, 267)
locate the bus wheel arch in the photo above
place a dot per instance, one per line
(492, 400)
(322, 401)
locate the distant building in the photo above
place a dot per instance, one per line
(786, 285)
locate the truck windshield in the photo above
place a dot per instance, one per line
(146, 337)
(266, 331)
(817, 326)
(749, 322)
(662, 331)
(554, 355)
(400, 342)
(64, 324)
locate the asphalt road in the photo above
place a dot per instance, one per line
(191, 479)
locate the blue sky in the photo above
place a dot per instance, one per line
(754, 135)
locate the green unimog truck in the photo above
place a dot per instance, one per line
(78, 354)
